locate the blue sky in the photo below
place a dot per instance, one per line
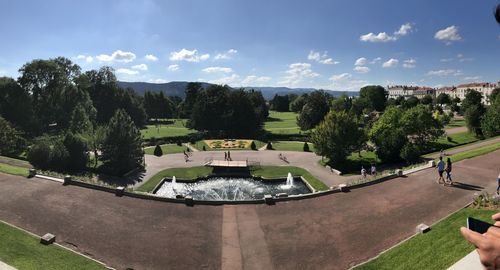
(338, 45)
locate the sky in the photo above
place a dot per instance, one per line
(336, 45)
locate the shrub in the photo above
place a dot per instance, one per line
(269, 146)
(306, 147)
(253, 146)
(59, 157)
(451, 114)
(188, 149)
(39, 155)
(204, 149)
(410, 153)
(158, 151)
(179, 143)
(77, 152)
(449, 139)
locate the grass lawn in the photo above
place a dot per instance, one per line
(282, 172)
(24, 251)
(475, 152)
(438, 249)
(455, 123)
(175, 128)
(182, 173)
(6, 168)
(353, 163)
(166, 148)
(264, 171)
(291, 146)
(456, 140)
(282, 123)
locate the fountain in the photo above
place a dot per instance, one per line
(289, 180)
(173, 180)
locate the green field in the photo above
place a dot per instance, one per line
(176, 128)
(353, 163)
(21, 171)
(166, 148)
(474, 152)
(455, 123)
(438, 249)
(282, 123)
(25, 252)
(291, 146)
(264, 171)
(456, 140)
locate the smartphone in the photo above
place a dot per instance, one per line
(478, 225)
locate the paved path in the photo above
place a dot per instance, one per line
(329, 232)
(464, 148)
(455, 130)
(306, 160)
(4, 266)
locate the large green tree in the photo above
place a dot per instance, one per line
(121, 149)
(297, 105)
(16, 104)
(280, 103)
(473, 111)
(490, 123)
(11, 143)
(388, 135)
(314, 111)
(337, 136)
(443, 98)
(375, 95)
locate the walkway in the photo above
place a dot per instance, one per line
(329, 232)
(464, 148)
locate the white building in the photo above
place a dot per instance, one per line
(484, 88)
(406, 91)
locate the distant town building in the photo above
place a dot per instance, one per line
(484, 88)
(449, 90)
(406, 91)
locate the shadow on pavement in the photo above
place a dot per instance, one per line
(467, 186)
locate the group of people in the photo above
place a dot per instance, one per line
(373, 171)
(227, 156)
(444, 168)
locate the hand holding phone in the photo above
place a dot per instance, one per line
(478, 226)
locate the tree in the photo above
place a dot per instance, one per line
(59, 156)
(95, 138)
(375, 95)
(297, 105)
(490, 124)
(16, 105)
(388, 135)
(342, 103)
(157, 105)
(443, 98)
(121, 149)
(336, 136)
(314, 111)
(158, 151)
(11, 143)
(472, 97)
(80, 121)
(39, 154)
(76, 147)
(305, 148)
(253, 146)
(411, 102)
(242, 119)
(209, 112)
(259, 104)
(420, 126)
(473, 111)
(494, 94)
(280, 103)
(410, 153)
(426, 100)
(192, 91)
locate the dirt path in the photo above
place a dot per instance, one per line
(330, 232)
(455, 130)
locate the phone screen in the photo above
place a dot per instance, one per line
(477, 225)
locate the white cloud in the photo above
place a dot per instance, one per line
(297, 72)
(127, 71)
(254, 80)
(157, 81)
(189, 56)
(461, 58)
(233, 79)
(321, 58)
(340, 77)
(445, 72)
(404, 30)
(360, 62)
(117, 56)
(87, 58)
(472, 78)
(376, 60)
(390, 63)
(360, 69)
(140, 67)
(410, 63)
(226, 55)
(445, 60)
(448, 35)
(151, 57)
(217, 70)
(174, 67)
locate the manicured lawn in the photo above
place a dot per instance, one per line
(176, 128)
(6, 168)
(282, 123)
(353, 163)
(199, 145)
(456, 123)
(438, 249)
(282, 172)
(475, 152)
(182, 173)
(264, 171)
(166, 148)
(25, 252)
(291, 146)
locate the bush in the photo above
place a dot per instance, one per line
(306, 147)
(410, 153)
(204, 149)
(158, 151)
(451, 114)
(269, 146)
(449, 139)
(188, 149)
(77, 152)
(39, 155)
(253, 146)
(179, 143)
(59, 157)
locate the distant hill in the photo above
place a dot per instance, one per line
(178, 89)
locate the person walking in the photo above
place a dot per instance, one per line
(498, 187)
(373, 170)
(363, 172)
(225, 155)
(448, 172)
(228, 155)
(440, 168)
